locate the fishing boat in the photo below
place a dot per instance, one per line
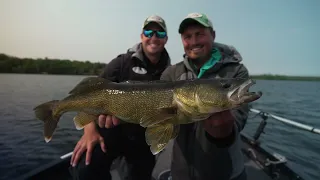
(259, 163)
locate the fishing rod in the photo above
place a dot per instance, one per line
(287, 121)
(66, 155)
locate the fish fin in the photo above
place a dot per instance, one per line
(44, 112)
(158, 136)
(162, 115)
(89, 84)
(82, 119)
(200, 117)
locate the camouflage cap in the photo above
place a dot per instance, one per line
(198, 17)
(155, 19)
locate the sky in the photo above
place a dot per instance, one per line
(276, 37)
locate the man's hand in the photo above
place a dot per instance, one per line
(87, 142)
(91, 137)
(220, 125)
(107, 121)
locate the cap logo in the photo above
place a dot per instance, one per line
(194, 15)
(155, 18)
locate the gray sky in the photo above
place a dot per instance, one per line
(272, 36)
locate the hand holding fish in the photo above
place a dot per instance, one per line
(87, 143)
(108, 121)
(220, 124)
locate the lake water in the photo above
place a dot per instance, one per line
(22, 147)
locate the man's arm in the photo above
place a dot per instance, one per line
(241, 113)
(91, 135)
(221, 128)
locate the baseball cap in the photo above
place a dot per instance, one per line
(198, 17)
(155, 19)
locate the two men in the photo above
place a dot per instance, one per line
(208, 149)
(144, 61)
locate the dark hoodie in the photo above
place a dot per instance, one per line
(134, 65)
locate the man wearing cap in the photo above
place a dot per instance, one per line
(209, 149)
(144, 61)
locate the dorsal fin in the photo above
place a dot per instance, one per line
(90, 84)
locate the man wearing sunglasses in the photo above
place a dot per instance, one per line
(103, 144)
(210, 149)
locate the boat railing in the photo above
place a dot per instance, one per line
(263, 123)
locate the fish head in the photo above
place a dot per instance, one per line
(223, 94)
(242, 95)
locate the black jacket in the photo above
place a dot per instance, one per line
(134, 65)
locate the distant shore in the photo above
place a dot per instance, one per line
(285, 77)
(15, 65)
(256, 77)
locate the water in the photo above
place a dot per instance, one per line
(22, 147)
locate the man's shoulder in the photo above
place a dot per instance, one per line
(177, 67)
(128, 54)
(227, 48)
(122, 58)
(118, 61)
(173, 72)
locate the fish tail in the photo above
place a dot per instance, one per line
(44, 112)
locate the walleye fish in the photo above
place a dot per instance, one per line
(159, 106)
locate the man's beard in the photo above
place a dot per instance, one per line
(200, 61)
(197, 62)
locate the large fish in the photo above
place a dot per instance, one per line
(160, 106)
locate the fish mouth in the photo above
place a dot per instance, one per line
(241, 94)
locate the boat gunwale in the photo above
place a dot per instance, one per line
(284, 169)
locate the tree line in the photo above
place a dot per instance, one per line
(11, 64)
(286, 78)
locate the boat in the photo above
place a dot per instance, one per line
(259, 163)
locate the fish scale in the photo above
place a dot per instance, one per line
(141, 103)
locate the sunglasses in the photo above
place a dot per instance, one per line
(150, 33)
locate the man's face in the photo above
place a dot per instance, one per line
(197, 41)
(151, 43)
